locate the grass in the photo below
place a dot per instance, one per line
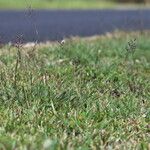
(55, 4)
(67, 4)
(85, 94)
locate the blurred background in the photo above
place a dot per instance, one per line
(57, 19)
(71, 4)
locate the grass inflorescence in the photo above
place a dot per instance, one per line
(84, 94)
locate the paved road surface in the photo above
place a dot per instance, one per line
(54, 25)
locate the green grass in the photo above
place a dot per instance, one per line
(53, 4)
(86, 94)
(67, 4)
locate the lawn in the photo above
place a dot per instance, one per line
(91, 93)
(67, 4)
(60, 4)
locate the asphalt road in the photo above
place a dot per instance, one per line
(46, 25)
